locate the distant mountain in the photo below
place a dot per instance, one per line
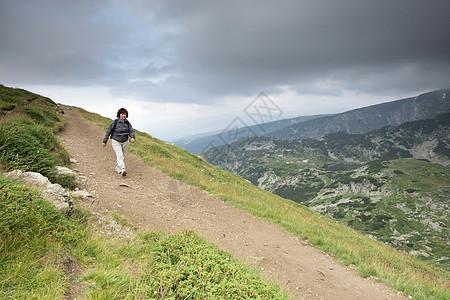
(360, 120)
(372, 117)
(202, 142)
(390, 183)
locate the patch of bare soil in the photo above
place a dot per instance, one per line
(153, 201)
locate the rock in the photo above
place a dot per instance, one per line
(64, 171)
(55, 193)
(81, 194)
(55, 190)
(29, 177)
(331, 210)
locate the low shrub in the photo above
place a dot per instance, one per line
(174, 266)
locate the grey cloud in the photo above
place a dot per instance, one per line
(68, 43)
(275, 43)
(44, 42)
(194, 51)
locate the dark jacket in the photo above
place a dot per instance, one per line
(121, 131)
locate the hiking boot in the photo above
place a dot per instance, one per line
(124, 173)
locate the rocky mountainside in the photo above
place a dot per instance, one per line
(425, 139)
(372, 117)
(390, 183)
(360, 120)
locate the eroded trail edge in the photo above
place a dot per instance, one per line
(153, 201)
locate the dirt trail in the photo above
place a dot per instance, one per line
(152, 200)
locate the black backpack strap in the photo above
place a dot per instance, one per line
(114, 127)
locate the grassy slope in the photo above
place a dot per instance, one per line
(371, 258)
(27, 124)
(42, 250)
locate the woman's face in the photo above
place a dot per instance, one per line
(123, 116)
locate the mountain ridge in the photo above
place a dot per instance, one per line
(365, 119)
(360, 120)
(200, 143)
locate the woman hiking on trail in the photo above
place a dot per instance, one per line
(119, 130)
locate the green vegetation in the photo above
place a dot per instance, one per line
(33, 237)
(371, 258)
(41, 110)
(300, 193)
(42, 250)
(333, 174)
(402, 202)
(28, 122)
(419, 175)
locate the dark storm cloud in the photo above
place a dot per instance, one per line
(262, 44)
(70, 43)
(54, 42)
(188, 51)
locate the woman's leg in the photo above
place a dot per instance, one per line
(124, 150)
(125, 147)
(119, 149)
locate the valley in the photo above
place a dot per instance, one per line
(392, 183)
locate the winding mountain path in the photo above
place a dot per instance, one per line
(152, 201)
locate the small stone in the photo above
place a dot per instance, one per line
(81, 194)
(63, 171)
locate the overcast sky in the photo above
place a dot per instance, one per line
(185, 67)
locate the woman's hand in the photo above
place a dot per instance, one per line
(132, 140)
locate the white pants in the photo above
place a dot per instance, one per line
(120, 149)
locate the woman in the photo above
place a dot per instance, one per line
(119, 130)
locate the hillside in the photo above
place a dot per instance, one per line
(361, 180)
(179, 195)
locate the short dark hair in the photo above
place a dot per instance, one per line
(122, 111)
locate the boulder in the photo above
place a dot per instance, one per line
(55, 193)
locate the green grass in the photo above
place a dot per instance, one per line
(27, 141)
(420, 176)
(172, 266)
(371, 258)
(21, 103)
(33, 234)
(42, 249)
